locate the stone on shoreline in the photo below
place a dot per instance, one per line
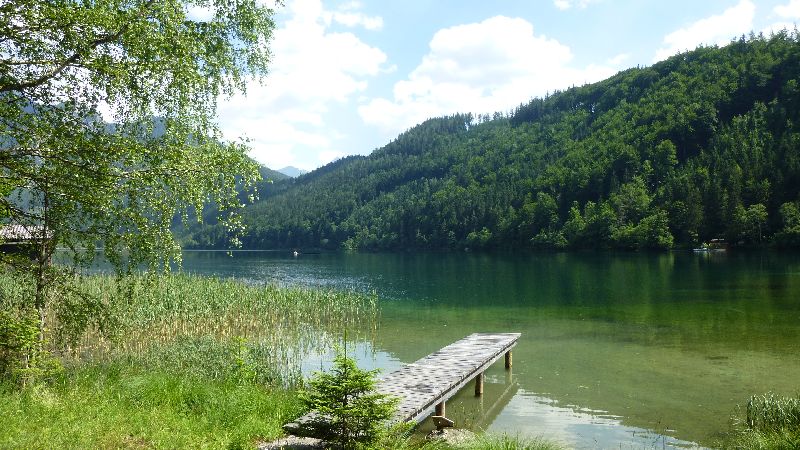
(293, 443)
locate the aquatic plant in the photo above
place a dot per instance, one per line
(770, 412)
(767, 421)
(184, 322)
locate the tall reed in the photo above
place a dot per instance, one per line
(206, 325)
(767, 421)
(770, 412)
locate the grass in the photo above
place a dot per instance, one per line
(175, 361)
(121, 406)
(767, 421)
(506, 442)
(771, 412)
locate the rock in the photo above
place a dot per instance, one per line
(452, 436)
(293, 443)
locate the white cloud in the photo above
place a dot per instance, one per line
(789, 11)
(473, 68)
(313, 69)
(350, 6)
(618, 60)
(562, 4)
(327, 156)
(789, 14)
(715, 30)
(353, 19)
(778, 27)
(567, 4)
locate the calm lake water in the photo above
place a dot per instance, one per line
(617, 350)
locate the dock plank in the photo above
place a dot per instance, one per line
(435, 378)
(432, 380)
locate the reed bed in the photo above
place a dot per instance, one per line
(198, 323)
(213, 327)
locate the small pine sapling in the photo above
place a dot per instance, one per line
(349, 411)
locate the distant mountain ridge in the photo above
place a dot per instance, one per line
(268, 174)
(703, 145)
(292, 171)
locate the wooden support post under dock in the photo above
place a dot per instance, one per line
(426, 384)
(435, 378)
(479, 385)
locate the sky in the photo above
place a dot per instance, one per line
(348, 76)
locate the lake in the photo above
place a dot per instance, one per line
(617, 350)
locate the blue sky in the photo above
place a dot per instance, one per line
(348, 76)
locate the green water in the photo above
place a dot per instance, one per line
(617, 350)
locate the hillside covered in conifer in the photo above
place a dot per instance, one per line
(703, 145)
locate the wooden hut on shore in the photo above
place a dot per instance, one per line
(15, 238)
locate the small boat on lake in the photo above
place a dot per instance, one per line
(714, 245)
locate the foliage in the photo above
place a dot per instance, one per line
(750, 222)
(21, 360)
(73, 180)
(699, 140)
(768, 421)
(348, 410)
(789, 235)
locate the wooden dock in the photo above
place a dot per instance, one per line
(425, 385)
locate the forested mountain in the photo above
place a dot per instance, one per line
(703, 145)
(268, 175)
(210, 233)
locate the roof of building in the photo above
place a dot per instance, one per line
(20, 233)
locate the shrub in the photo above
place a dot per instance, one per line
(349, 412)
(22, 359)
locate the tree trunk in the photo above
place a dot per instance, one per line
(40, 298)
(44, 258)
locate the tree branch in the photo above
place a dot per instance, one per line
(74, 58)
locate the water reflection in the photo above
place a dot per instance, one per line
(578, 428)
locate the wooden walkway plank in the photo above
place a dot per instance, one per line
(428, 383)
(435, 378)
